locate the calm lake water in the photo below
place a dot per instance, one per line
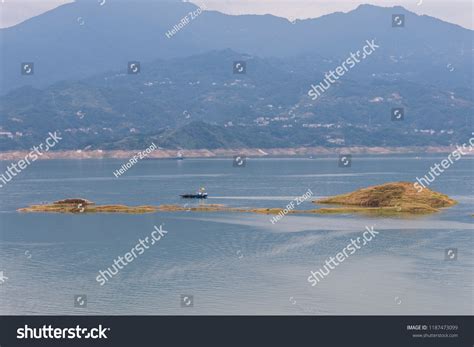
(233, 263)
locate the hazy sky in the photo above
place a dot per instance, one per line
(454, 11)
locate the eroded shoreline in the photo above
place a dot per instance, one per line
(161, 153)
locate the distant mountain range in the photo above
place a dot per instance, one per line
(186, 94)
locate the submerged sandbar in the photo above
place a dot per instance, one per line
(395, 198)
(79, 205)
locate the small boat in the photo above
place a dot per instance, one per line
(199, 195)
(194, 196)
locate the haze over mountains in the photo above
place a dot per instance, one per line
(187, 96)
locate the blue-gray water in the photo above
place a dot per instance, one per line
(232, 263)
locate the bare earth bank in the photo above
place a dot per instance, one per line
(206, 153)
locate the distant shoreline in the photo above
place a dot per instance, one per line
(216, 153)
